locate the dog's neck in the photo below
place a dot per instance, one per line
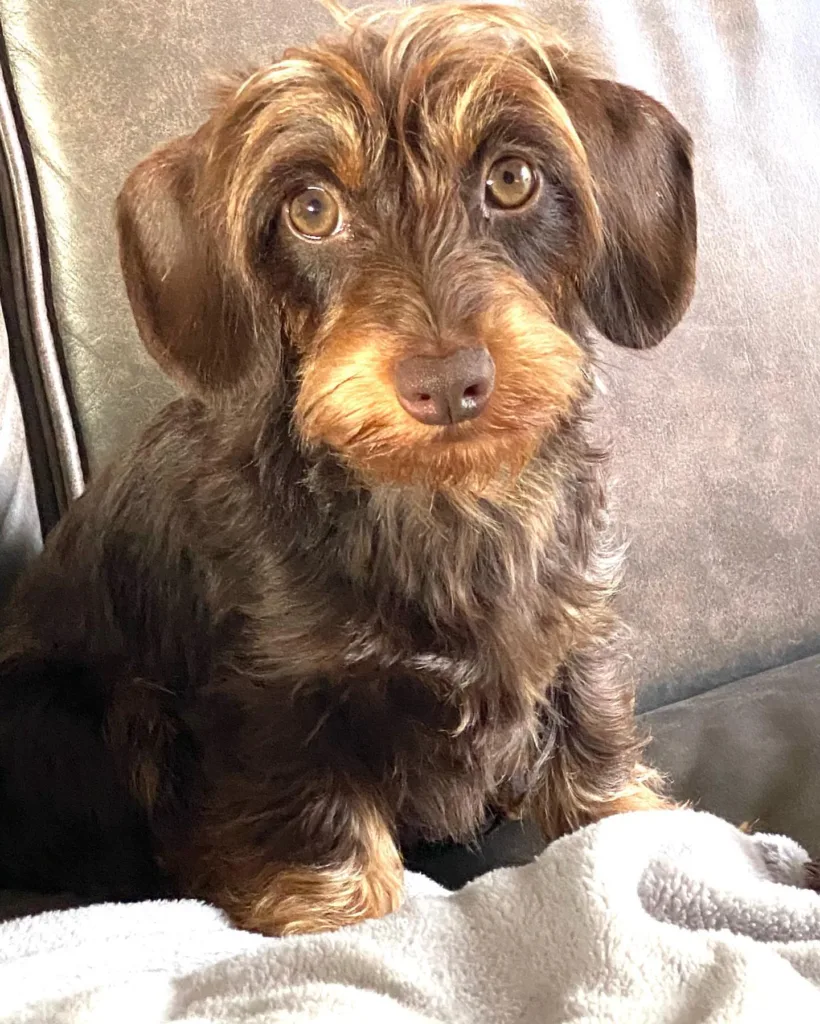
(452, 557)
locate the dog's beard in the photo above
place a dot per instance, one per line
(347, 401)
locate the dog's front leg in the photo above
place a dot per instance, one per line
(302, 858)
(591, 765)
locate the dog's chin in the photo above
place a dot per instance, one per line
(460, 460)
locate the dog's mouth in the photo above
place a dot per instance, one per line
(377, 438)
(454, 433)
(460, 419)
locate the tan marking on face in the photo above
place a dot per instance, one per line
(347, 398)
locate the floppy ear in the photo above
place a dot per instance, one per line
(640, 161)
(190, 318)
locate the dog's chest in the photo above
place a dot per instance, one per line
(417, 700)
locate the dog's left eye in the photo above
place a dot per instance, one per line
(511, 182)
(314, 213)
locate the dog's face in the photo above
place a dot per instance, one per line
(394, 234)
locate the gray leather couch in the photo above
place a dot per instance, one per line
(717, 433)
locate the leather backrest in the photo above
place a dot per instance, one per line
(19, 520)
(715, 432)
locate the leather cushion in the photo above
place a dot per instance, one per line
(749, 751)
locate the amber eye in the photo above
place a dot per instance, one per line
(314, 213)
(510, 183)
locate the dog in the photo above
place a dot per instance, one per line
(354, 590)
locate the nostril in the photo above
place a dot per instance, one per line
(474, 396)
(480, 389)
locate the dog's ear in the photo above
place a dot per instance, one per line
(640, 161)
(190, 318)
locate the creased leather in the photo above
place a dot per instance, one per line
(20, 536)
(28, 291)
(715, 433)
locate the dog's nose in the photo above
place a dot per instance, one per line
(446, 389)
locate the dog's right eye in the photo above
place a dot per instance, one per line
(511, 183)
(314, 214)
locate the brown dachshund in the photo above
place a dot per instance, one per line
(354, 590)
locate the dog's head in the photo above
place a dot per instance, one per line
(394, 233)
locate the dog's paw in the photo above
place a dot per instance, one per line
(302, 900)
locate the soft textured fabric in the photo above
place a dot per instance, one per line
(655, 916)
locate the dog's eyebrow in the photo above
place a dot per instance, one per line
(313, 104)
(459, 106)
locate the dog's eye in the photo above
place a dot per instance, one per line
(510, 183)
(314, 213)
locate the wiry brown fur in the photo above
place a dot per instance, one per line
(295, 628)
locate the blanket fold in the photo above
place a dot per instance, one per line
(663, 916)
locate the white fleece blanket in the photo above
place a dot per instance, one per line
(656, 916)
